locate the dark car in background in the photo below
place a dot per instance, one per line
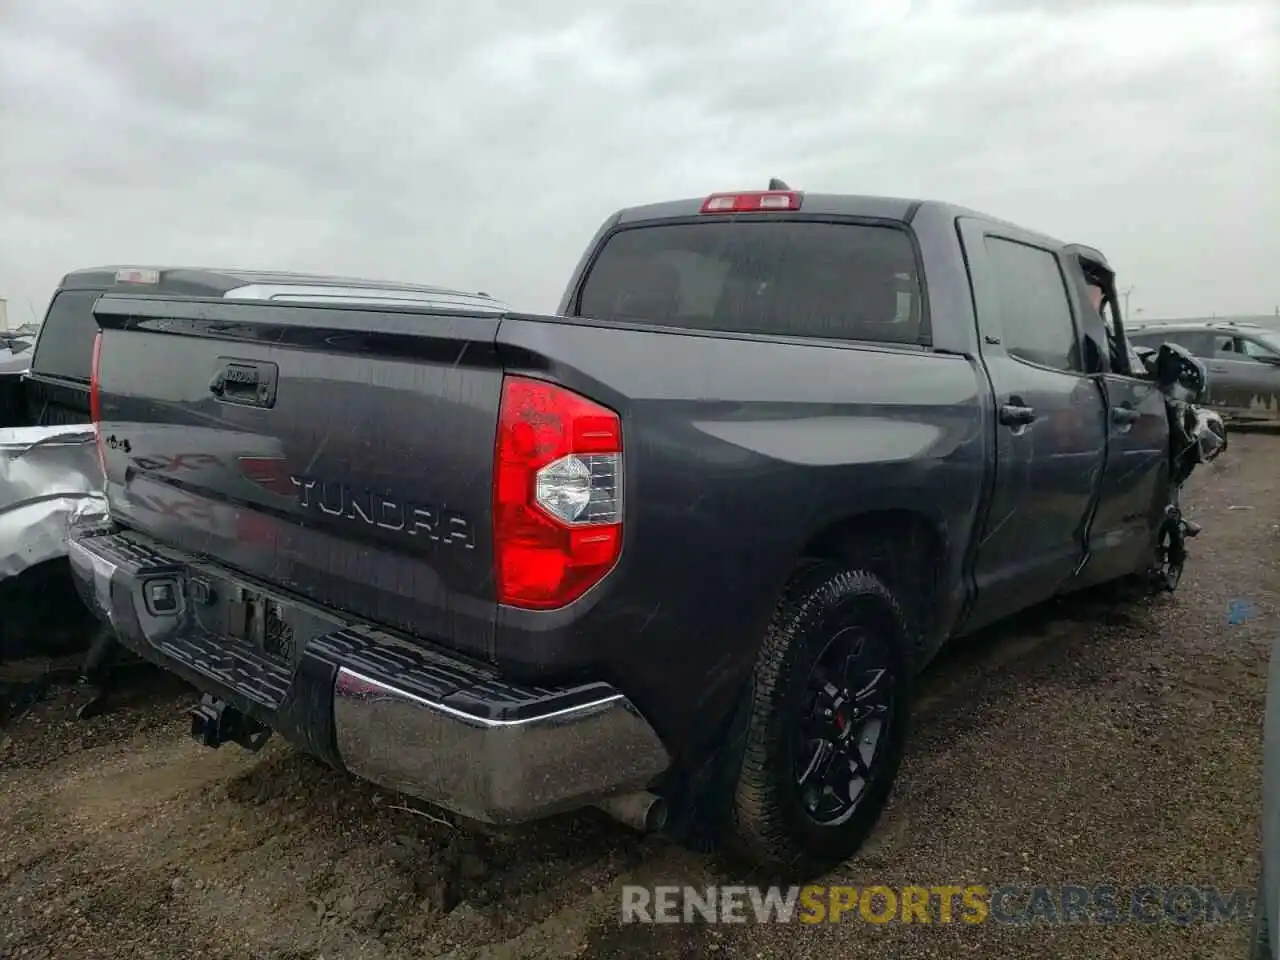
(1243, 360)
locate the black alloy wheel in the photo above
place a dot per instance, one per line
(827, 726)
(843, 725)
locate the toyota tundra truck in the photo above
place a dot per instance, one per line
(676, 552)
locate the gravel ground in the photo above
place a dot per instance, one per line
(1086, 743)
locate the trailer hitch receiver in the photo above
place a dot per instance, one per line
(215, 722)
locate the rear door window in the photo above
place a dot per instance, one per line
(1197, 344)
(1035, 313)
(65, 346)
(1229, 347)
(1145, 340)
(786, 277)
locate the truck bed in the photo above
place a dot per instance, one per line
(365, 485)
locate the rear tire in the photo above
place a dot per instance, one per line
(827, 727)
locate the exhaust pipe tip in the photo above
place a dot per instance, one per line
(644, 812)
(656, 819)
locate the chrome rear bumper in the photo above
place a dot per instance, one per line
(401, 713)
(497, 770)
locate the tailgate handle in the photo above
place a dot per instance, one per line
(251, 383)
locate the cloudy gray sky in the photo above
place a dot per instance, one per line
(479, 144)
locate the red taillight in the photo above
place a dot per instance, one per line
(137, 275)
(753, 201)
(95, 399)
(557, 494)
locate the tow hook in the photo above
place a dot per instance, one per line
(215, 722)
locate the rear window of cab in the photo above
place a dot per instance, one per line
(800, 278)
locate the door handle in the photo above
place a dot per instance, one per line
(1218, 369)
(1015, 415)
(1124, 416)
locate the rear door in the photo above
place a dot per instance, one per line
(1243, 376)
(57, 387)
(1050, 433)
(1203, 345)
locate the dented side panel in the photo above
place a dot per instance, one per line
(45, 472)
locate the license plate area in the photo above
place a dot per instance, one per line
(240, 615)
(261, 622)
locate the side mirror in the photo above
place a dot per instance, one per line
(1148, 357)
(1179, 374)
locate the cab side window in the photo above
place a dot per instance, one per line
(1196, 344)
(1035, 312)
(1145, 340)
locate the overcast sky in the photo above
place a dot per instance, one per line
(480, 144)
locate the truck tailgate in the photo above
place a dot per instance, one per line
(344, 455)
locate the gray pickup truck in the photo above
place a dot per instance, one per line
(676, 551)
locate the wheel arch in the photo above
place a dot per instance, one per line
(908, 550)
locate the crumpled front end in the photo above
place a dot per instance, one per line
(46, 474)
(1211, 434)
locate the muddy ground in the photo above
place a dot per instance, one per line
(1087, 743)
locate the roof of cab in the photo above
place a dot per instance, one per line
(211, 282)
(831, 204)
(901, 209)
